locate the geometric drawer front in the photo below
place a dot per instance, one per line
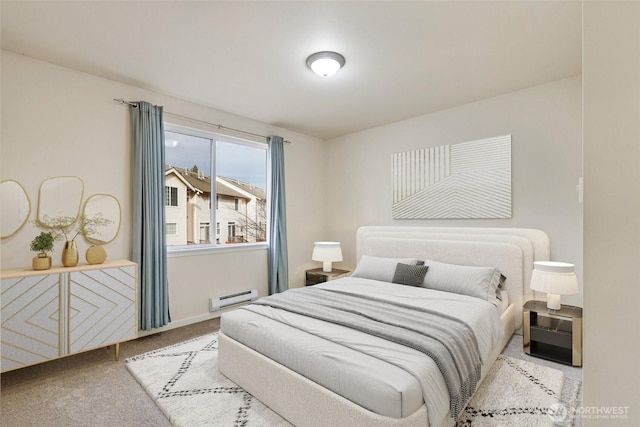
(30, 320)
(102, 307)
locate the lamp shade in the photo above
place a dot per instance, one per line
(554, 278)
(327, 252)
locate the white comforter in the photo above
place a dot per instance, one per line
(360, 367)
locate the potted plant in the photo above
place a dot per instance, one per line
(68, 228)
(42, 244)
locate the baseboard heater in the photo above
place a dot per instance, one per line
(218, 303)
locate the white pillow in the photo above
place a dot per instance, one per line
(479, 282)
(379, 268)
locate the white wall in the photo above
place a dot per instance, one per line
(545, 125)
(611, 64)
(56, 121)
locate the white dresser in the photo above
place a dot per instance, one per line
(54, 313)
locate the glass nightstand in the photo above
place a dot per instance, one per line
(554, 335)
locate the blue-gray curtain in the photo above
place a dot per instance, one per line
(278, 258)
(149, 237)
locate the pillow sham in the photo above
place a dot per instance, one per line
(479, 282)
(379, 268)
(410, 275)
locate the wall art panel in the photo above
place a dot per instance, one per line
(466, 180)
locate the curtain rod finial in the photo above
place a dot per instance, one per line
(123, 102)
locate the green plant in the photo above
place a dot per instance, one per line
(43, 243)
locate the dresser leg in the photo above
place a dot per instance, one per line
(117, 348)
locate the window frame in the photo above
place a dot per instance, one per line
(213, 247)
(175, 228)
(170, 196)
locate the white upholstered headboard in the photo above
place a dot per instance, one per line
(512, 250)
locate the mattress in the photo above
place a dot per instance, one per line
(366, 370)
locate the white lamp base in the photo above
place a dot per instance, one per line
(553, 302)
(326, 266)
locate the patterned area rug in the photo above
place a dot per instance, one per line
(516, 392)
(184, 381)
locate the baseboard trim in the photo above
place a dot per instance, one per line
(188, 321)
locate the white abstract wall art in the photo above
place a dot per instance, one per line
(466, 180)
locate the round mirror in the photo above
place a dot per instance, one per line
(59, 200)
(15, 208)
(102, 215)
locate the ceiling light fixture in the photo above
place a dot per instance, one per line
(325, 63)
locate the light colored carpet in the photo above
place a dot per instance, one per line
(184, 382)
(88, 389)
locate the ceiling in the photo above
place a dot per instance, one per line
(403, 59)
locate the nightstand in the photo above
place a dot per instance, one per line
(554, 335)
(316, 275)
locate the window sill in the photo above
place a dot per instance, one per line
(182, 251)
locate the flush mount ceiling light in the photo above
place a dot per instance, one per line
(325, 63)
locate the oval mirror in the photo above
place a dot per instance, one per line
(15, 208)
(102, 213)
(60, 199)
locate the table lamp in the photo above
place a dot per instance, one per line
(327, 252)
(554, 278)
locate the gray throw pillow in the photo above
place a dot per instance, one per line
(411, 275)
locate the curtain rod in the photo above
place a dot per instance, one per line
(135, 105)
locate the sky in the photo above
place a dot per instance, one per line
(245, 163)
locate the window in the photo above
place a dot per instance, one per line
(239, 171)
(170, 196)
(172, 228)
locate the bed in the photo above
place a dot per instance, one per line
(308, 366)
